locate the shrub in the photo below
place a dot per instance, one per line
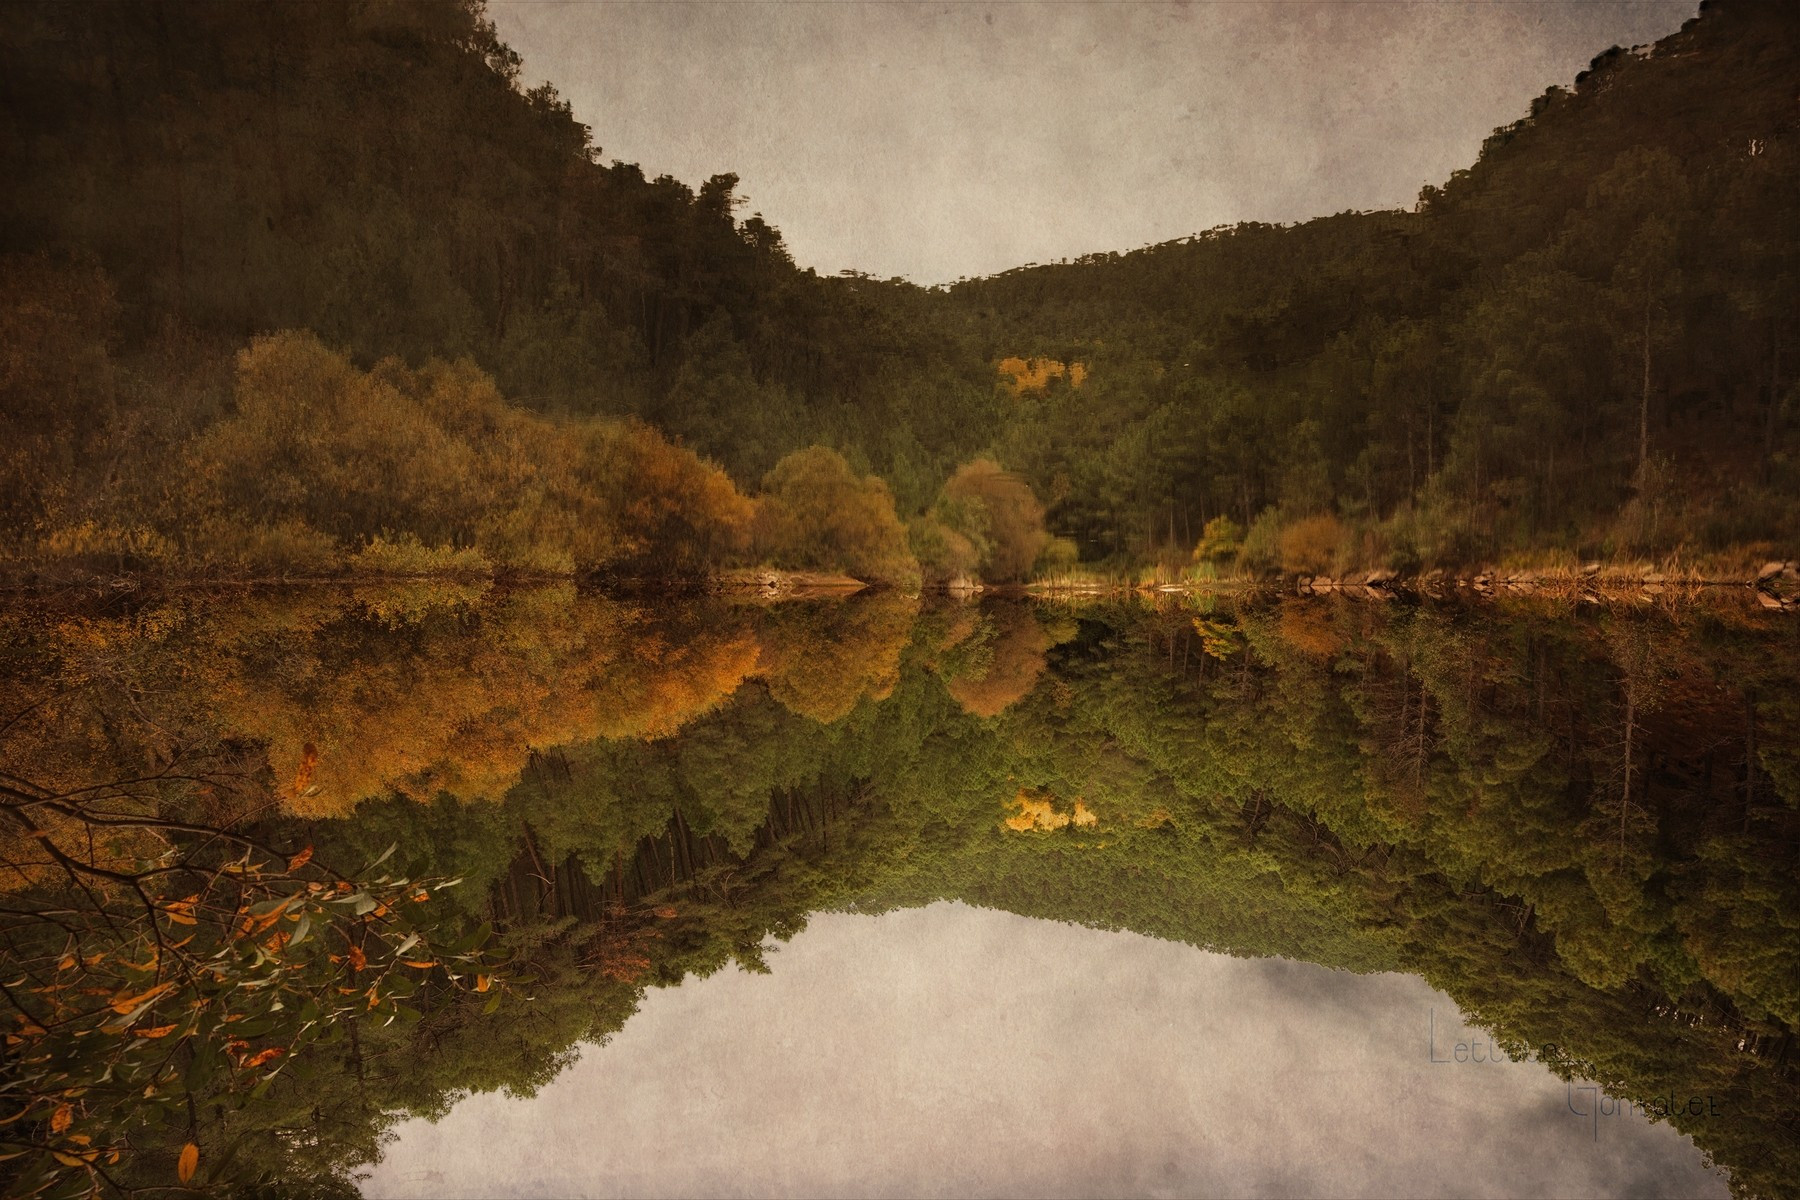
(405, 554)
(1262, 544)
(988, 504)
(671, 511)
(816, 514)
(1058, 557)
(1220, 542)
(944, 554)
(1310, 545)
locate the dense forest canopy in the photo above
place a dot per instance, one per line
(1582, 346)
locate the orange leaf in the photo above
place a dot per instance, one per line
(263, 1056)
(358, 960)
(301, 859)
(184, 1166)
(59, 1120)
(125, 1004)
(309, 765)
(421, 963)
(665, 912)
(253, 926)
(482, 982)
(159, 1031)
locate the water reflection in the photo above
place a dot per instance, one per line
(1578, 825)
(958, 1051)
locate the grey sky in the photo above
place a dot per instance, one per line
(952, 1051)
(938, 140)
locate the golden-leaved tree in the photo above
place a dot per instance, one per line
(994, 512)
(415, 470)
(816, 514)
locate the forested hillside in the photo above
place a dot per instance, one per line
(1580, 347)
(373, 181)
(1585, 342)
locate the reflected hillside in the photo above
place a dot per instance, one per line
(343, 694)
(1580, 823)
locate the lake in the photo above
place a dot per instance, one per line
(468, 889)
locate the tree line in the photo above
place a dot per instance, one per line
(1580, 346)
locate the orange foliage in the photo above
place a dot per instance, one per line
(1037, 810)
(1010, 520)
(673, 511)
(1021, 375)
(1308, 629)
(356, 694)
(1011, 666)
(820, 658)
(346, 695)
(1310, 545)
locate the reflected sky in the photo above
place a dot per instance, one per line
(952, 1051)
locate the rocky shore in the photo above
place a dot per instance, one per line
(1776, 586)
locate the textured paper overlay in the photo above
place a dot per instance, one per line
(954, 1051)
(940, 140)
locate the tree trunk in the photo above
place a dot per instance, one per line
(1625, 798)
(1644, 397)
(1774, 410)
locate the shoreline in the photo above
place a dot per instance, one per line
(1775, 588)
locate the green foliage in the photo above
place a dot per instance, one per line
(1609, 286)
(1262, 544)
(996, 511)
(144, 1016)
(946, 554)
(1059, 556)
(1578, 825)
(1495, 367)
(1220, 542)
(816, 514)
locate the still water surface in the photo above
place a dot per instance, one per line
(536, 891)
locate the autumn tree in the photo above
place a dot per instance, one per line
(168, 969)
(997, 512)
(815, 514)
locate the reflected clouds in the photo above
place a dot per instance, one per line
(951, 1050)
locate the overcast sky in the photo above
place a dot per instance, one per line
(940, 140)
(956, 1051)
